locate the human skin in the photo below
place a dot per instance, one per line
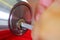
(46, 25)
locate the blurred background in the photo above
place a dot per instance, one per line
(5, 8)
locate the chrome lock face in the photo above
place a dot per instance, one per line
(21, 12)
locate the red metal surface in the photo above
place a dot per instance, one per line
(7, 35)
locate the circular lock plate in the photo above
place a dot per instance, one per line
(21, 12)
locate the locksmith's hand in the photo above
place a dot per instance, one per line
(46, 19)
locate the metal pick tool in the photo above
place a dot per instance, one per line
(28, 26)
